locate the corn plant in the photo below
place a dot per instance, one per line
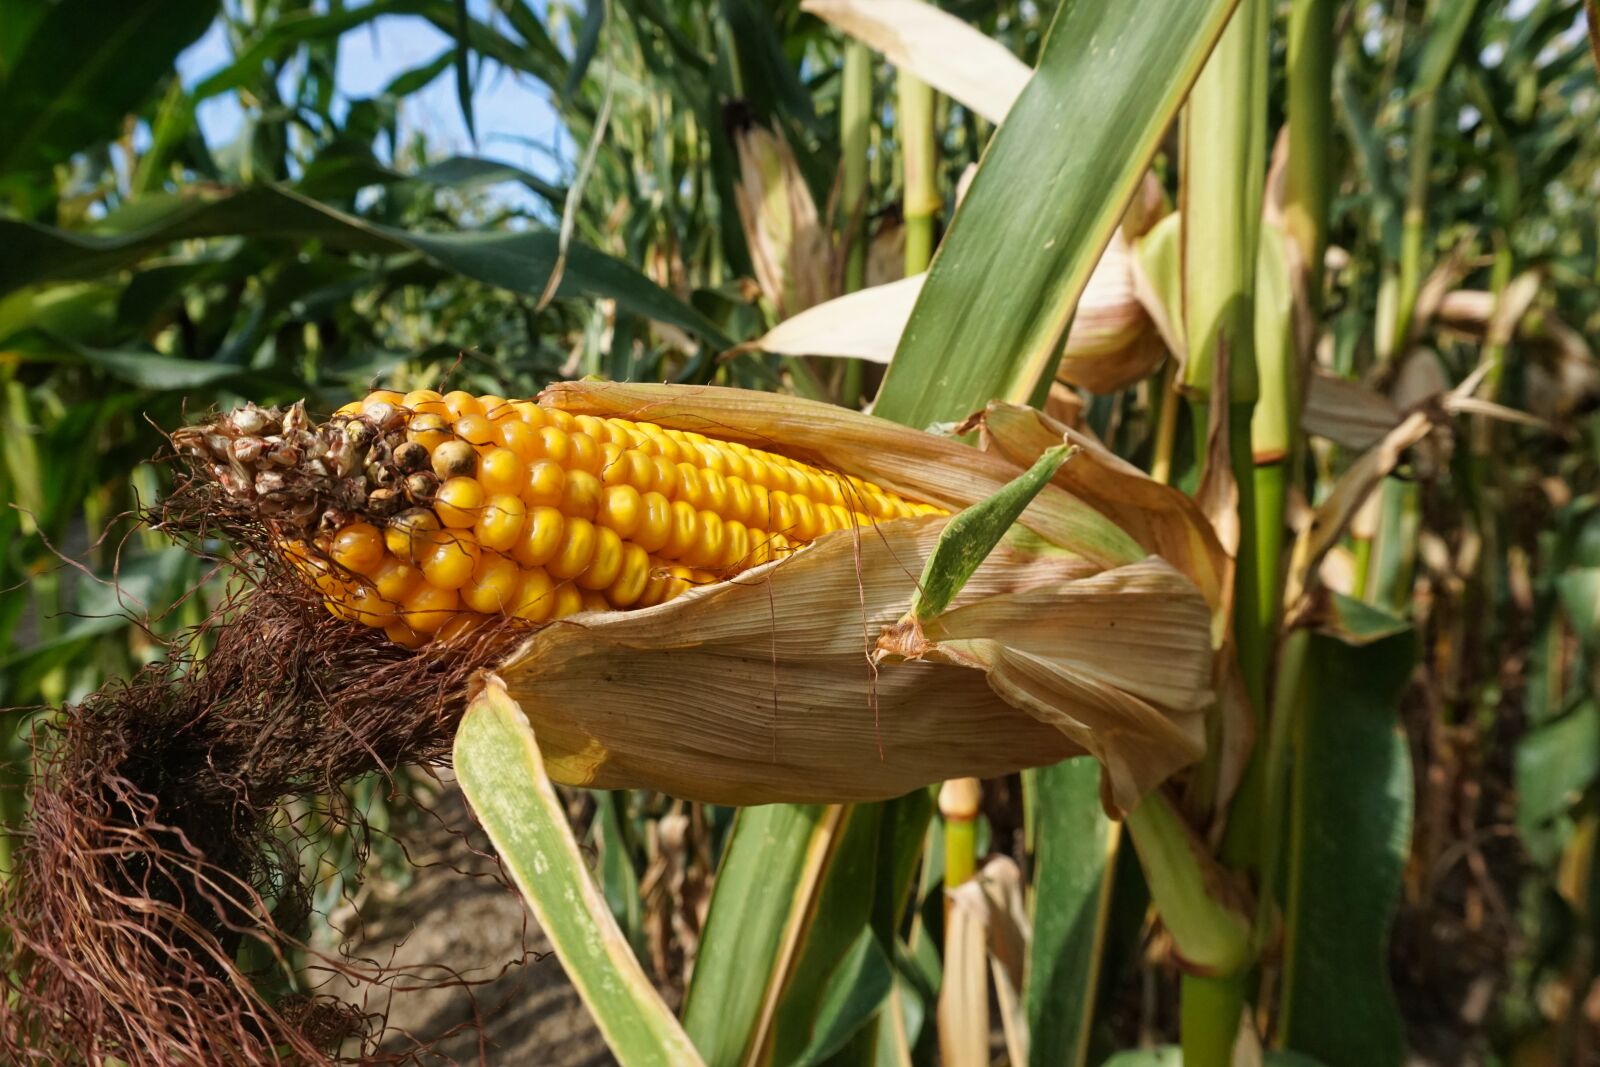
(1221, 524)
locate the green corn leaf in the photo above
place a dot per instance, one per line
(520, 262)
(855, 991)
(498, 764)
(968, 538)
(86, 65)
(1344, 873)
(1072, 892)
(764, 884)
(1047, 196)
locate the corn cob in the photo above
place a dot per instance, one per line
(477, 506)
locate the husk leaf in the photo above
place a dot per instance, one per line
(760, 689)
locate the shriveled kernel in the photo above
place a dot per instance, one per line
(496, 581)
(621, 509)
(460, 402)
(459, 502)
(500, 524)
(502, 471)
(606, 562)
(429, 607)
(455, 459)
(542, 535)
(576, 549)
(411, 533)
(451, 561)
(593, 601)
(358, 547)
(581, 495)
(629, 584)
(545, 485)
(536, 600)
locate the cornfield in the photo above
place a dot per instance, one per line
(904, 532)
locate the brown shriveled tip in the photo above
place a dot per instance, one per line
(275, 465)
(903, 639)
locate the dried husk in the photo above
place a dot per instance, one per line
(766, 688)
(1113, 342)
(788, 245)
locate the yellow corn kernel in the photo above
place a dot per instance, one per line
(542, 534)
(358, 547)
(502, 471)
(708, 547)
(459, 502)
(520, 438)
(462, 403)
(395, 579)
(540, 514)
(569, 601)
(581, 494)
(556, 446)
(429, 607)
(629, 585)
(411, 533)
(536, 600)
(500, 523)
(655, 522)
(576, 550)
(449, 565)
(430, 429)
(496, 582)
(621, 509)
(606, 563)
(546, 483)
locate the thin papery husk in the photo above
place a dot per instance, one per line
(1113, 343)
(761, 688)
(1162, 520)
(797, 681)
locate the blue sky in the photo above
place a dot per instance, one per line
(509, 108)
